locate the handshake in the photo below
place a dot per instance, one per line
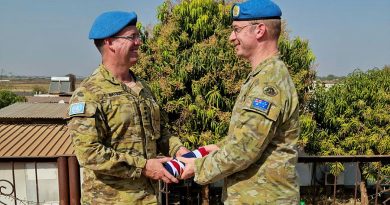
(170, 170)
(176, 167)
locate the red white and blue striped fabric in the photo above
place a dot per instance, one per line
(176, 167)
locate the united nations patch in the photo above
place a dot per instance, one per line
(77, 108)
(236, 10)
(261, 105)
(270, 91)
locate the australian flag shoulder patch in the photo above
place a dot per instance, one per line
(261, 105)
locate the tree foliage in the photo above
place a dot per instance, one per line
(8, 98)
(351, 118)
(299, 58)
(192, 68)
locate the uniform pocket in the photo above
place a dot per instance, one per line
(124, 121)
(150, 112)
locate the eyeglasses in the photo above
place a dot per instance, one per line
(239, 29)
(130, 38)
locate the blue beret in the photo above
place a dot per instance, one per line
(110, 23)
(255, 10)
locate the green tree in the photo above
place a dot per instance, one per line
(351, 118)
(192, 68)
(8, 98)
(299, 59)
(38, 89)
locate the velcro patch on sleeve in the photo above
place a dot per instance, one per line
(77, 108)
(261, 105)
(264, 107)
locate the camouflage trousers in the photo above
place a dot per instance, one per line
(138, 198)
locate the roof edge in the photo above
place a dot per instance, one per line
(33, 158)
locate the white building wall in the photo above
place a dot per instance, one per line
(347, 177)
(5, 174)
(350, 174)
(304, 173)
(25, 182)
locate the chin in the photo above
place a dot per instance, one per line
(133, 62)
(239, 54)
(238, 51)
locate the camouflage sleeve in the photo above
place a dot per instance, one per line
(87, 130)
(253, 131)
(168, 144)
(222, 142)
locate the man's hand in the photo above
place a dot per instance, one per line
(155, 170)
(189, 170)
(211, 148)
(181, 151)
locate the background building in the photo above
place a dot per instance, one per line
(37, 162)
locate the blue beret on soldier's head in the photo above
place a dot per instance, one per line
(255, 10)
(110, 23)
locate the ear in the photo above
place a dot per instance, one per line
(260, 30)
(108, 43)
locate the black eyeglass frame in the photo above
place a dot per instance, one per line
(130, 38)
(237, 29)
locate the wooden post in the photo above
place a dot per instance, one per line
(63, 180)
(334, 188)
(363, 191)
(74, 181)
(205, 195)
(314, 174)
(356, 181)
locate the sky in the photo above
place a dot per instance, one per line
(50, 37)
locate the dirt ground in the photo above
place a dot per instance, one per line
(27, 85)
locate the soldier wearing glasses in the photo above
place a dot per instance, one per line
(115, 122)
(257, 158)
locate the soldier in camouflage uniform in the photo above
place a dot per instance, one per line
(115, 122)
(257, 158)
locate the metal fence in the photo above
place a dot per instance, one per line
(9, 189)
(68, 181)
(187, 192)
(382, 184)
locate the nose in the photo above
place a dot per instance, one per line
(232, 36)
(138, 41)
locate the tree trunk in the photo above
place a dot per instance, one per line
(363, 193)
(205, 195)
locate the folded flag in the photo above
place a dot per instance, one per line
(176, 167)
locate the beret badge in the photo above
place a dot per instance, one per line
(236, 10)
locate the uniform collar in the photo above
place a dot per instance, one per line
(261, 66)
(107, 75)
(137, 89)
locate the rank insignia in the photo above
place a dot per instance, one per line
(77, 108)
(261, 105)
(270, 91)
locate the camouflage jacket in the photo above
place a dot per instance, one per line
(257, 158)
(114, 130)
